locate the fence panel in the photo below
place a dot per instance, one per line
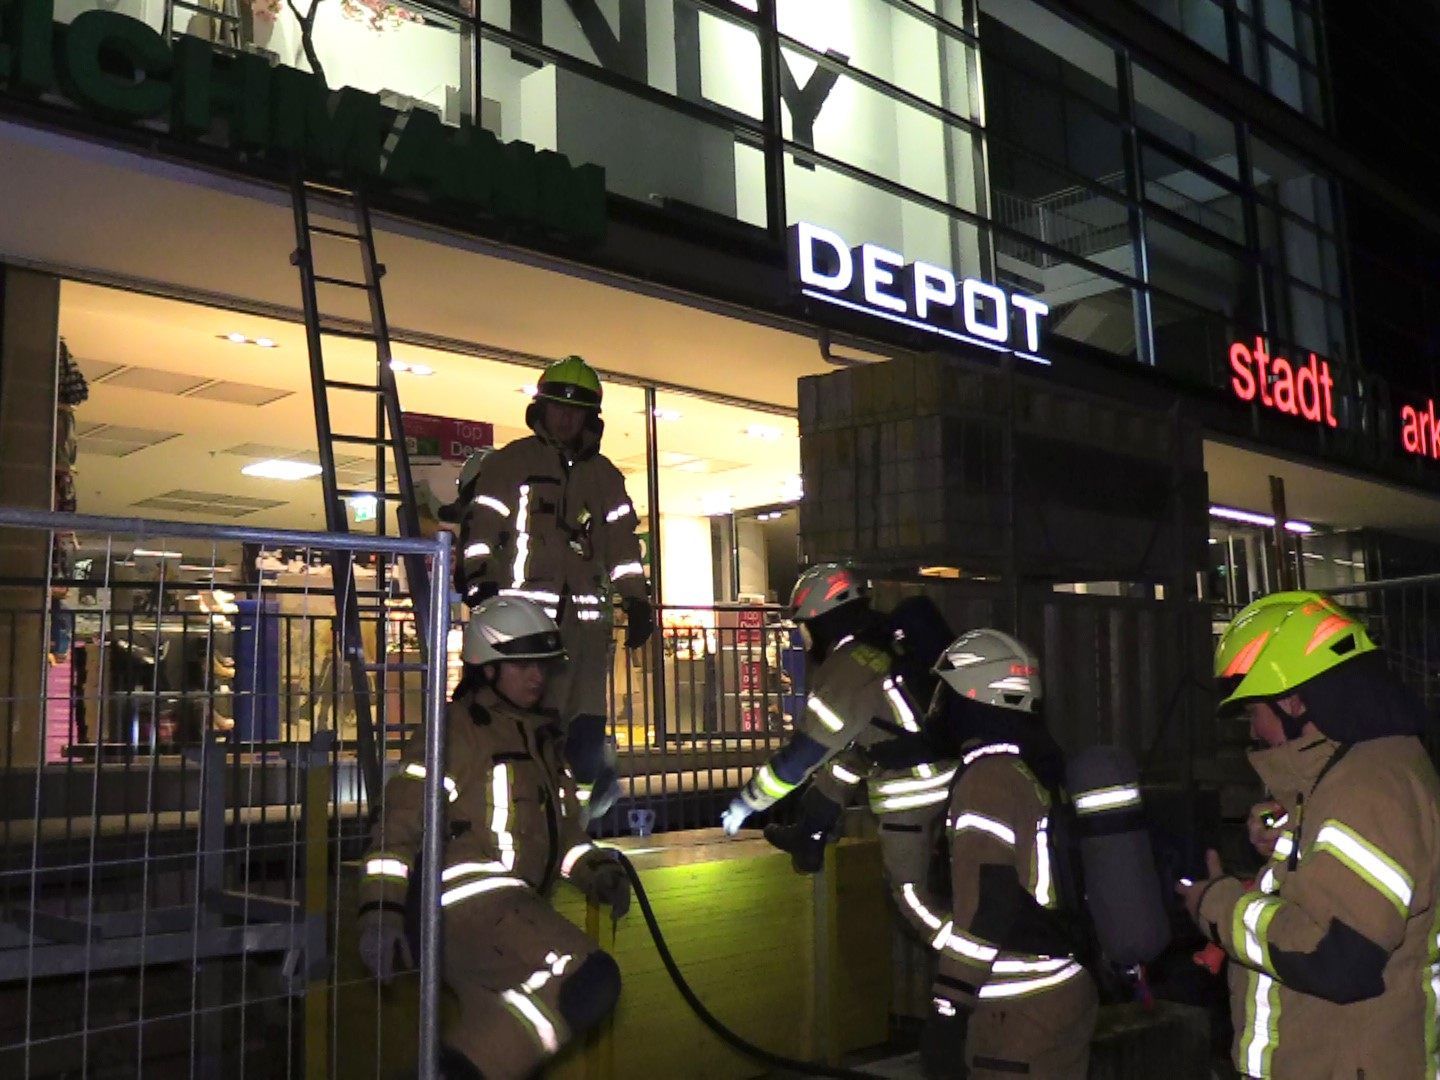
(180, 802)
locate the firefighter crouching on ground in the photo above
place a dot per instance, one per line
(1335, 951)
(528, 980)
(853, 700)
(1009, 996)
(549, 520)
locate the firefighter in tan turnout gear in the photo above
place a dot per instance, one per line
(549, 520)
(1335, 950)
(1009, 996)
(527, 979)
(855, 701)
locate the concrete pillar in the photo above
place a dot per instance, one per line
(29, 338)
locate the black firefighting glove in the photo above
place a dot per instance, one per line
(609, 887)
(384, 948)
(942, 1045)
(639, 622)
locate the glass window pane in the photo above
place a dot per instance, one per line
(650, 153)
(1312, 321)
(1041, 44)
(886, 41)
(865, 128)
(1305, 37)
(858, 211)
(1205, 25)
(1285, 78)
(1093, 311)
(1296, 187)
(1184, 123)
(412, 57)
(1280, 21)
(1051, 125)
(729, 481)
(1202, 273)
(678, 49)
(1196, 197)
(1047, 205)
(1190, 342)
(1302, 253)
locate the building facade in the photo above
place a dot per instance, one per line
(710, 200)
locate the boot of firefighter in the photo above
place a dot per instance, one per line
(805, 840)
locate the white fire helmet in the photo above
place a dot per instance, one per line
(993, 668)
(510, 628)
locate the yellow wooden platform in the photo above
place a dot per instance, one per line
(797, 965)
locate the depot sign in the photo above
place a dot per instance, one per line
(876, 281)
(119, 69)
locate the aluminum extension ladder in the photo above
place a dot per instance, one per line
(385, 442)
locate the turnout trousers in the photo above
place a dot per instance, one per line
(528, 981)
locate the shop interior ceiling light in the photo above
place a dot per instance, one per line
(528, 390)
(667, 414)
(275, 469)
(237, 338)
(148, 553)
(404, 367)
(1247, 517)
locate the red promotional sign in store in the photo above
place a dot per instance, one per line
(444, 437)
(1303, 390)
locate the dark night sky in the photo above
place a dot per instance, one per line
(1385, 67)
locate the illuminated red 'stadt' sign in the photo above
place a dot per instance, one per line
(1304, 390)
(1420, 431)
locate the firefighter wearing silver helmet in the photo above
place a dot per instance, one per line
(1009, 996)
(549, 518)
(528, 981)
(855, 700)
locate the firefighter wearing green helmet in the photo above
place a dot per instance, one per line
(1335, 948)
(548, 519)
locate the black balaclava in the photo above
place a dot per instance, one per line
(956, 720)
(1357, 701)
(835, 625)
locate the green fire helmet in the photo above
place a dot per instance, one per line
(571, 382)
(1282, 641)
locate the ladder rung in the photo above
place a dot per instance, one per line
(353, 335)
(350, 493)
(327, 189)
(359, 440)
(324, 279)
(325, 230)
(341, 384)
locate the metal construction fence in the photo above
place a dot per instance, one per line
(180, 800)
(1403, 615)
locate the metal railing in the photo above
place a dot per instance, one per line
(180, 817)
(715, 692)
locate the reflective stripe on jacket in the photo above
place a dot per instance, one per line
(1336, 950)
(540, 527)
(512, 815)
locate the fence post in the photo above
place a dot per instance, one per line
(433, 841)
